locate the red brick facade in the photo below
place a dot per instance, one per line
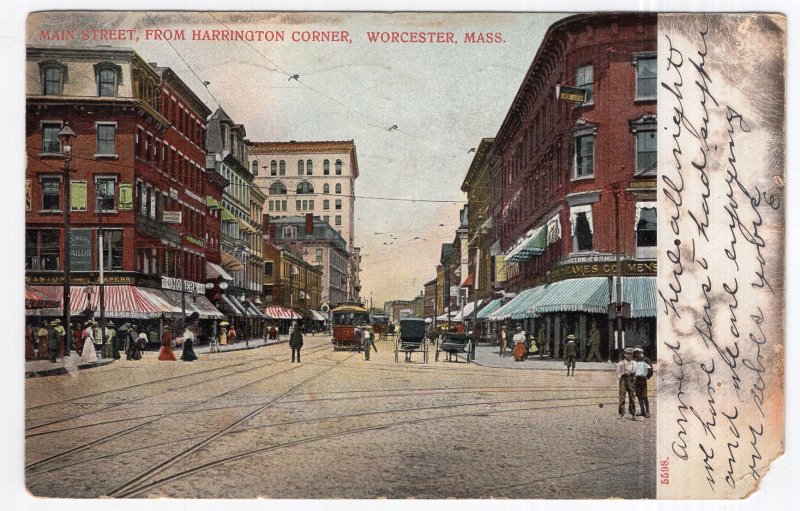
(533, 159)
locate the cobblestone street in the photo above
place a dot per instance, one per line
(250, 423)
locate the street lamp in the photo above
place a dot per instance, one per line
(66, 136)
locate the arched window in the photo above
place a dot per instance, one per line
(255, 168)
(53, 75)
(304, 187)
(300, 167)
(273, 168)
(338, 167)
(338, 188)
(309, 168)
(326, 188)
(326, 167)
(283, 167)
(108, 77)
(277, 188)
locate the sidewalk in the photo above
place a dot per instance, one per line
(489, 356)
(39, 368)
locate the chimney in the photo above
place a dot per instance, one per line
(273, 232)
(309, 224)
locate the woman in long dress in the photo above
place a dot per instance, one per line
(131, 347)
(30, 353)
(88, 353)
(166, 352)
(41, 333)
(188, 354)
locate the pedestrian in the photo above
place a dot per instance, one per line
(30, 351)
(594, 344)
(53, 339)
(503, 340)
(296, 342)
(89, 353)
(76, 338)
(223, 333)
(625, 374)
(570, 354)
(642, 373)
(273, 332)
(111, 341)
(86, 336)
(534, 349)
(232, 335)
(166, 353)
(357, 337)
(141, 342)
(519, 345)
(41, 333)
(188, 354)
(369, 340)
(131, 344)
(62, 336)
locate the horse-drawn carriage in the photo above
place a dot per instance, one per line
(453, 343)
(412, 339)
(346, 318)
(380, 326)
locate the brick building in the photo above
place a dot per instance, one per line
(573, 181)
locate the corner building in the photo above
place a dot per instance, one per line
(573, 185)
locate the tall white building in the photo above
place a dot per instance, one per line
(308, 177)
(312, 177)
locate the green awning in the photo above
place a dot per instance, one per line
(532, 245)
(212, 203)
(640, 292)
(587, 294)
(227, 216)
(516, 308)
(490, 307)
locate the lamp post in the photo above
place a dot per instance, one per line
(101, 287)
(66, 136)
(292, 275)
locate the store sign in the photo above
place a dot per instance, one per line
(80, 249)
(500, 268)
(196, 241)
(629, 268)
(189, 286)
(125, 197)
(568, 93)
(78, 195)
(173, 193)
(171, 217)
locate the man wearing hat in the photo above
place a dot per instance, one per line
(53, 339)
(625, 374)
(111, 339)
(642, 372)
(570, 354)
(594, 344)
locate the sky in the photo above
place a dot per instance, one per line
(443, 99)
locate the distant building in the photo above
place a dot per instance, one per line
(477, 185)
(429, 307)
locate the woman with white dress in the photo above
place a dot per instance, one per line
(88, 354)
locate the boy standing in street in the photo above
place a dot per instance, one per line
(625, 374)
(570, 353)
(642, 373)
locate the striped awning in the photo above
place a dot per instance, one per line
(247, 227)
(160, 300)
(517, 308)
(230, 263)
(242, 307)
(119, 301)
(276, 312)
(227, 216)
(35, 300)
(215, 271)
(532, 244)
(587, 294)
(318, 316)
(641, 293)
(466, 312)
(232, 309)
(194, 303)
(212, 203)
(490, 307)
(255, 310)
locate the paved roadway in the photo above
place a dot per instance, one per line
(250, 423)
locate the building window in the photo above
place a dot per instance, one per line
(42, 249)
(338, 220)
(112, 249)
(581, 223)
(305, 187)
(338, 204)
(273, 168)
(298, 204)
(311, 204)
(326, 219)
(309, 168)
(106, 139)
(319, 255)
(338, 188)
(283, 168)
(300, 167)
(108, 78)
(51, 194)
(277, 188)
(271, 204)
(646, 78)
(53, 75)
(50, 142)
(255, 168)
(268, 269)
(326, 188)
(646, 156)
(104, 193)
(326, 204)
(326, 167)
(584, 79)
(584, 156)
(283, 205)
(338, 167)
(646, 234)
(289, 231)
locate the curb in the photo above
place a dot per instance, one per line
(55, 371)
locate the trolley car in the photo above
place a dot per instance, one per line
(346, 318)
